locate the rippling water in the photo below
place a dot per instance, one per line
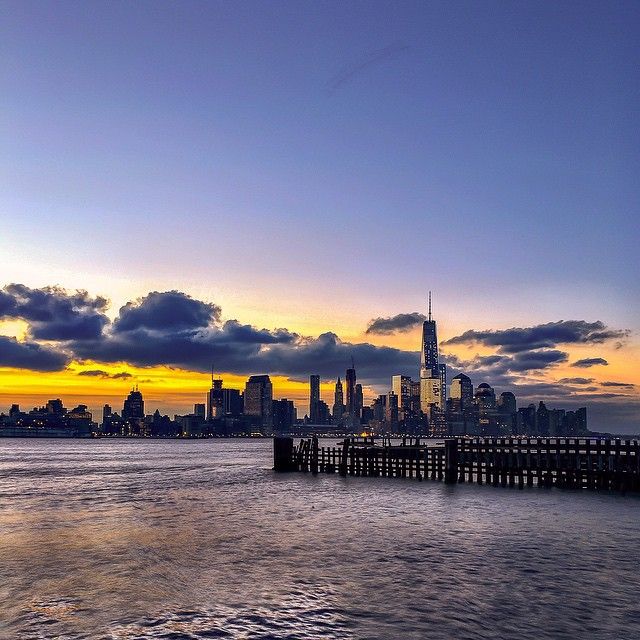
(199, 539)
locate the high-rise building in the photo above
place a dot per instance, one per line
(442, 369)
(133, 407)
(542, 420)
(199, 410)
(214, 398)
(507, 402)
(338, 402)
(429, 350)
(485, 402)
(462, 392)
(359, 401)
(379, 408)
(526, 421)
(314, 398)
(430, 375)
(284, 415)
(258, 399)
(350, 379)
(401, 386)
(506, 405)
(415, 396)
(485, 397)
(56, 407)
(556, 422)
(232, 404)
(391, 412)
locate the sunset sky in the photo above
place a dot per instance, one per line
(253, 185)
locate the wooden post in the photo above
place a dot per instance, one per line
(283, 454)
(314, 455)
(343, 458)
(451, 461)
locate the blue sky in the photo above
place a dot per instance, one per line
(312, 165)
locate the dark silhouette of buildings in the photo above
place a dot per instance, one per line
(350, 380)
(314, 399)
(338, 402)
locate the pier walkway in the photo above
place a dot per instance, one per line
(580, 463)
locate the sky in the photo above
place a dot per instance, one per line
(304, 168)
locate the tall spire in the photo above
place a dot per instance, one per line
(429, 306)
(212, 374)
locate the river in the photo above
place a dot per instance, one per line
(200, 539)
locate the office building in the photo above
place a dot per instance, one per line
(314, 398)
(401, 386)
(258, 400)
(350, 380)
(338, 402)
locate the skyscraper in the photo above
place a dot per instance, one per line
(214, 398)
(258, 399)
(461, 392)
(429, 351)
(359, 401)
(314, 398)
(401, 386)
(350, 379)
(338, 401)
(442, 370)
(133, 408)
(199, 410)
(430, 375)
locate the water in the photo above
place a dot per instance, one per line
(199, 539)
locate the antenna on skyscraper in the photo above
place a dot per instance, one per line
(429, 306)
(212, 375)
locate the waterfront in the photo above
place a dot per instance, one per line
(199, 539)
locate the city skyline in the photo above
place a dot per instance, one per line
(517, 360)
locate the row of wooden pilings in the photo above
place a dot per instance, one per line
(544, 462)
(362, 457)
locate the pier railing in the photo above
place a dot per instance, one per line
(562, 462)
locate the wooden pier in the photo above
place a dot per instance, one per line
(576, 463)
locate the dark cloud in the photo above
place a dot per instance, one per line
(328, 356)
(54, 313)
(625, 385)
(278, 352)
(401, 322)
(575, 380)
(585, 363)
(94, 373)
(496, 365)
(30, 355)
(244, 333)
(173, 329)
(166, 311)
(99, 373)
(542, 336)
(538, 359)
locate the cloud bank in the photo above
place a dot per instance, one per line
(585, 363)
(541, 336)
(400, 323)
